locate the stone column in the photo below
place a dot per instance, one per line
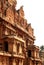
(30, 62)
(20, 49)
(38, 54)
(14, 62)
(32, 54)
(0, 60)
(4, 61)
(6, 31)
(21, 62)
(35, 54)
(14, 47)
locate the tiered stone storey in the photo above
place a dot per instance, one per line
(16, 37)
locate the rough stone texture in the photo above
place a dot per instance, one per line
(16, 37)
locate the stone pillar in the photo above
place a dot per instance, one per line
(4, 61)
(20, 49)
(6, 31)
(21, 62)
(30, 62)
(38, 54)
(14, 62)
(14, 47)
(7, 61)
(0, 60)
(10, 47)
(34, 53)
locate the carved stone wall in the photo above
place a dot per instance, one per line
(16, 36)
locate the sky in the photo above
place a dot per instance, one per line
(34, 13)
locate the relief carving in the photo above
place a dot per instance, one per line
(10, 15)
(21, 12)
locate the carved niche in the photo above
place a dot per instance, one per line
(10, 15)
(30, 29)
(12, 2)
(3, 7)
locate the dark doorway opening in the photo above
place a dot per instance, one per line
(6, 46)
(36, 63)
(29, 53)
(1, 46)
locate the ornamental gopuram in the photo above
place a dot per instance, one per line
(16, 37)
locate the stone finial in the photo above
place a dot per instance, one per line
(21, 11)
(21, 7)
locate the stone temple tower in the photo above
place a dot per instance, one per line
(16, 37)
